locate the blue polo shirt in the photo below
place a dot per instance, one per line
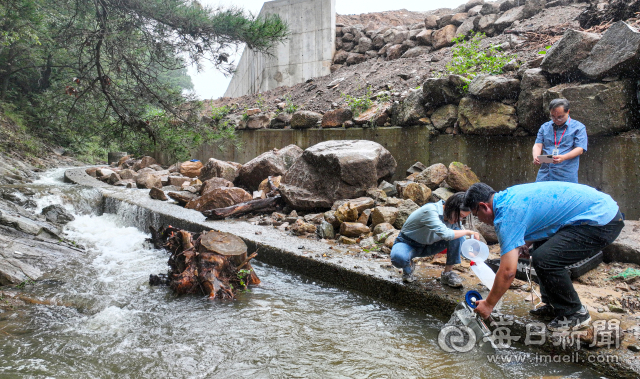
(575, 135)
(536, 211)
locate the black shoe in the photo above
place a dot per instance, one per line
(576, 321)
(546, 312)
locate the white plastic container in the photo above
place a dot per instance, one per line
(477, 252)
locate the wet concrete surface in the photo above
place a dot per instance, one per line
(367, 273)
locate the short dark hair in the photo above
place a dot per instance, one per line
(555, 103)
(477, 193)
(453, 206)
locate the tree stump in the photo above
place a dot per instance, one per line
(214, 263)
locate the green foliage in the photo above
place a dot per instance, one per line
(359, 104)
(470, 59)
(546, 48)
(242, 277)
(289, 107)
(86, 73)
(25, 283)
(218, 113)
(260, 103)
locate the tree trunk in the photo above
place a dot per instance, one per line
(214, 263)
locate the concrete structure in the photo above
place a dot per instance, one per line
(306, 54)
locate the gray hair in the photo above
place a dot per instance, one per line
(555, 103)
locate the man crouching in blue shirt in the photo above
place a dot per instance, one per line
(428, 231)
(563, 138)
(572, 222)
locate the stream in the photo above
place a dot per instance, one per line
(109, 323)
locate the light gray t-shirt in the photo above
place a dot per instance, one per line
(425, 225)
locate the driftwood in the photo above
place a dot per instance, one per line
(212, 263)
(241, 208)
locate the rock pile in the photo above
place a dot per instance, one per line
(597, 70)
(335, 189)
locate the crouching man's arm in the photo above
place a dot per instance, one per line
(505, 275)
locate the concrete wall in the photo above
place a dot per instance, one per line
(610, 164)
(306, 54)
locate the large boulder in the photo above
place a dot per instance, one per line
(509, 17)
(433, 175)
(440, 91)
(492, 87)
(444, 37)
(272, 163)
(405, 208)
(486, 117)
(219, 198)
(425, 37)
(418, 192)
(57, 214)
(258, 121)
(191, 169)
(146, 161)
(604, 108)
(336, 117)
(531, 107)
(213, 183)
(533, 7)
(466, 27)
(564, 56)
(377, 115)
(444, 117)
(148, 180)
(216, 168)
(617, 52)
(334, 170)
(461, 177)
(486, 24)
(411, 110)
(305, 119)
(396, 51)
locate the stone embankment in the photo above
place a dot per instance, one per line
(401, 70)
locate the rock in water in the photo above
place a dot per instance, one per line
(57, 214)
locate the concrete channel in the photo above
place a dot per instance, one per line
(362, 272)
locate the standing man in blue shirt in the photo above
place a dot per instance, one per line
(565, 139)
(572, 222)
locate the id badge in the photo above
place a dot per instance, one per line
(555, 152)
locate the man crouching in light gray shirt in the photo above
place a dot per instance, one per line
(428, 231)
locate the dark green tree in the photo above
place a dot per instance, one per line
(110, 68)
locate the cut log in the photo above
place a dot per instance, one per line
(232, 247)
(242, 208)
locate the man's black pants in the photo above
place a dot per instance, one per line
(569, 245)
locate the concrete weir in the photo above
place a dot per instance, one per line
(365, 273)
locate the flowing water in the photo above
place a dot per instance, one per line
(109, 323)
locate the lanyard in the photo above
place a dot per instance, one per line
(556, 144)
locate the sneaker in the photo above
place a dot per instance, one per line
(451, 279)
(408, 278)
(545, 312)
(576, 321)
